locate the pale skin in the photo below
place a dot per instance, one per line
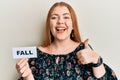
(61, 26)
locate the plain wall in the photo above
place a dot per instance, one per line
(22, 24)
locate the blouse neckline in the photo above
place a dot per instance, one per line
(60, 54)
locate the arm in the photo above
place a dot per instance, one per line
(87, 55)
(29, 77)
(98, 68)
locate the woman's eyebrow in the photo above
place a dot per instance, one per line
(66, 14)
(58, 14)
(54, 14)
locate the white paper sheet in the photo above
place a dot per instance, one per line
(24, 52)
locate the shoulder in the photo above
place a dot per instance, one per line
(41, 51)
(44, 49)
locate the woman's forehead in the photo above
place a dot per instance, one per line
(60, 10)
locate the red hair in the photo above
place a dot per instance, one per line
(48, 37)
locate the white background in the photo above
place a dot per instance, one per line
(22, 24)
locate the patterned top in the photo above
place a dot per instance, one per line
(64, 67)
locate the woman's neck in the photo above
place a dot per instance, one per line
(63, 47)
(61, 44)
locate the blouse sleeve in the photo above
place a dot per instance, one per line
(109, 75)
(21, 78)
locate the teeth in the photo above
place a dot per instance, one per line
(60, 28)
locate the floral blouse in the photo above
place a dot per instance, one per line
(64, 67)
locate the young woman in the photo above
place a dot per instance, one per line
(63, 56)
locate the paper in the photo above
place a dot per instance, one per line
(24, 52)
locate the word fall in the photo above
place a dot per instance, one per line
(24, 52)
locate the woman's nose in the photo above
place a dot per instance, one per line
(60, 21)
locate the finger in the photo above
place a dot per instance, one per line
(19, 62)
(27, 72)
(22, 63)
(22, 70)
(81, 61)
(79, 54)
(86, 43)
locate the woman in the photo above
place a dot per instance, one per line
(63, 56)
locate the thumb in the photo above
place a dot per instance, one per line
(86, 43)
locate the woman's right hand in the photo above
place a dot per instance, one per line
(23, 69)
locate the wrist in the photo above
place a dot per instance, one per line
(98, 63)
(95, 57)
(29, 77)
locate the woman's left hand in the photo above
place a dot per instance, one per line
(87, 55)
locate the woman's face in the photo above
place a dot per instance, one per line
(61, 23)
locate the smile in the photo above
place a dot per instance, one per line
(61, 28)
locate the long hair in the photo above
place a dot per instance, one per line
(75, 35)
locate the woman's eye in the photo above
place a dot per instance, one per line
(53, 17)
(66, 17)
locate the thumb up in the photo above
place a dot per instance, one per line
(87, 55)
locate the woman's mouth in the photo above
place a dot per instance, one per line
(60, 29)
